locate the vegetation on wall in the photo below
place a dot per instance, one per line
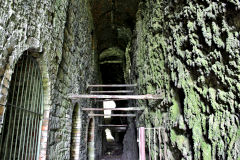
(189, 52)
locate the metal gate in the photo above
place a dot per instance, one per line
(20, 138)
(153, 142)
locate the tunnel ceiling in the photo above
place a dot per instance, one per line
(113, 22)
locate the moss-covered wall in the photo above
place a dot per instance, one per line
(189, 51)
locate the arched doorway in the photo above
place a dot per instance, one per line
(76, 128)
(20, 138)
(90, 140)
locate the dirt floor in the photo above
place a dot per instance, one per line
(114, 152)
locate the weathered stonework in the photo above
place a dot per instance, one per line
(59, 33)
(189, 52)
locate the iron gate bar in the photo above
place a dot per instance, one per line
(119, 91)
(19, 111)
(33, 138)
(25, 117)
(39, 108)
(35, 122)
(31, 116)
(39, 119)
(36, 119)
(13, 106)
(22, 126)
(10, 118)
(111, 85)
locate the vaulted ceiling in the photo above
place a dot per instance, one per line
(113, 21)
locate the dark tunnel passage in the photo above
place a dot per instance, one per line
(114, 22)
(119, 79)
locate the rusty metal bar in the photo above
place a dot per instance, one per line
(147, 96)
(118, 91)
(112, 115)
(111, 85)
(113, 109)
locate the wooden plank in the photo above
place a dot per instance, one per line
(117, 128)
(112, 115)
(102, 100)
(147, 96)
(112, 125)
(113, 109)
(118, 91)
(111, 85)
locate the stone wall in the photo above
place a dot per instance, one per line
(59, 32)
(188, 51)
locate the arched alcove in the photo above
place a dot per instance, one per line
(24, 110)
(90, 140)
(76, 135)
(13, 75)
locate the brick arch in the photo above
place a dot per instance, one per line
(46, 106)
(76, 132)
(90, 139)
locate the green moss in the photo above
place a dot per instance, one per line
(197, 51)
(112, 53)
(174, 110)
(127, 64)
(206, 151)
(173, 136)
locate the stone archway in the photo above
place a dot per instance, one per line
(22, 128)
(90, 140)
(43, 78)
(76, 133)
